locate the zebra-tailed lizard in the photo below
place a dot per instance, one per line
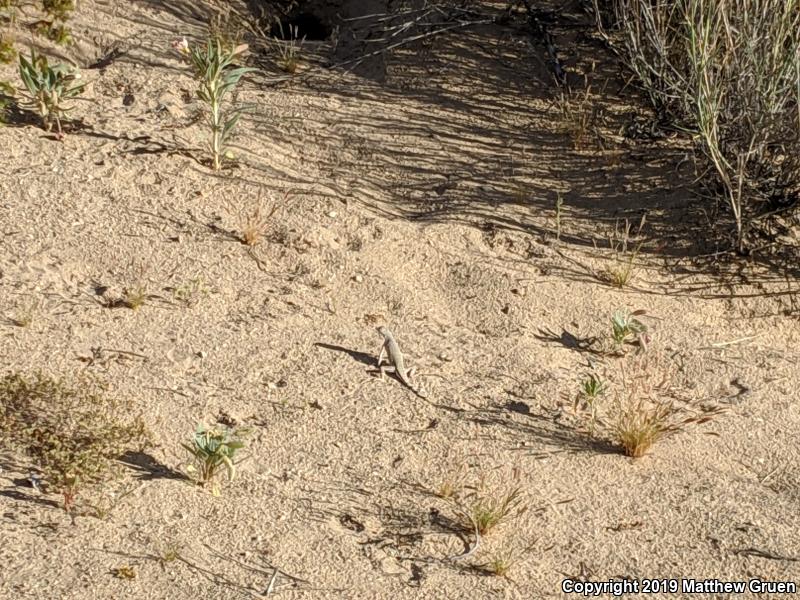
(397, 365)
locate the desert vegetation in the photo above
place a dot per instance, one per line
(579, 221)
(72, 433)
(726, 73)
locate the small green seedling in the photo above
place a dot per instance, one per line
(48, 87)
(625, 327)
(212, 67)
(214, 450)
(591, 389)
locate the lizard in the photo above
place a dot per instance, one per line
(396, 362)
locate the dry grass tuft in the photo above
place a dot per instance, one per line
(489, 508)
(254, 226)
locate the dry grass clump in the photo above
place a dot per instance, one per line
(289, 48)
(578, 113)
(255, 225)
(647, 404)
(452, 485)
(72, 434)
(625, 250)
(639, 423)
(481, 509)
(487, 508)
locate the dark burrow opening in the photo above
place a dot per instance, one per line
(303, 25)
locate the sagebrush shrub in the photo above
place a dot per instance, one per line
(728, 72)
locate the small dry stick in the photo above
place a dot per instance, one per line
(474, 548)
(717, 345)
(559, 204)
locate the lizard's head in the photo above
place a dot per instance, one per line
(382, 330)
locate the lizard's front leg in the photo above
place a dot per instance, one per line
(381, 355)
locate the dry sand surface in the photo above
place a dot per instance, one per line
(416, 189)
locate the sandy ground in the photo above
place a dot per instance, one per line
(421, 191)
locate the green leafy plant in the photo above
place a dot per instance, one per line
(58, 10)
(72, 434)
(213, 450)
(48, 87)
(8, 53)
(212, 64)
(6, 99)
(625, 327)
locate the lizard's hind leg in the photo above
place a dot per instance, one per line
(384, 370)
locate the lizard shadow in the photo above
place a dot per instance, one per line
(362, 357)
(517, 417)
